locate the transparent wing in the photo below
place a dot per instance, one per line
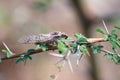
(41, 38)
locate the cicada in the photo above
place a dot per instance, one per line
(42, 38)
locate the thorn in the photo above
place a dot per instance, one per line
(7, 48)
(77, 54)
(77, 61)
(105, 26)
(68, 60)
(70, 65)
(67, 55)
(57, 55)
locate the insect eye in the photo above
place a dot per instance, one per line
(65, 36)
(54, 33)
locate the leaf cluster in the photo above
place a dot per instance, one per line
(114, 57)
(25, 57)
(113, 39)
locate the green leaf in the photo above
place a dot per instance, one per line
(114, 57)
(118, 44)
(84, 50)
(109, 56)
(29, 51)
(74, 44)
(113, 34)
(61, 46)
(113, 39)
(29, 57)
(114, 42)
(106, 38)
(74, 47)
(60, 68)
(80, 38)
(7, 53)
(65, 41)
(117, 27)
(19, 60)
(44, 47)
(97, 49)
(100, 31)
(52, 76)
(24, 58)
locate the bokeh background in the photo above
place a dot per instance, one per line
(26, 17)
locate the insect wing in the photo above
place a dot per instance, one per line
(29, 39)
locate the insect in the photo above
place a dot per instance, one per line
(42, 38)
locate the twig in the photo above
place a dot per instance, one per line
(106, 51)
(35, 52)
(90, 40)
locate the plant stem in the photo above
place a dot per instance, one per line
(106, 51)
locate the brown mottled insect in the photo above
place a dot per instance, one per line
(42, 38)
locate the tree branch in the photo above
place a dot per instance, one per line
(90, 40)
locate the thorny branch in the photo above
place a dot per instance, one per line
(90, 40)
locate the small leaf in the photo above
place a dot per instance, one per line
(65, 41)
(42, 4)
(84, 50)
(114, 42)
(113, 39)
(60, 68)
(74, 44)
(80, 38)
(74, 47)
(106, 38)
(44, 47)
(52, 76)
(38, 46)
(117, 27)
(7, 48)
(4, 51)
(19, 60)
(97, 49)
(118, 44)
(61, 47)
(109, 56)
(24, 58)
(114, 57)
(100, 31)
(7, 53)
(29, 51)
(29, 57)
